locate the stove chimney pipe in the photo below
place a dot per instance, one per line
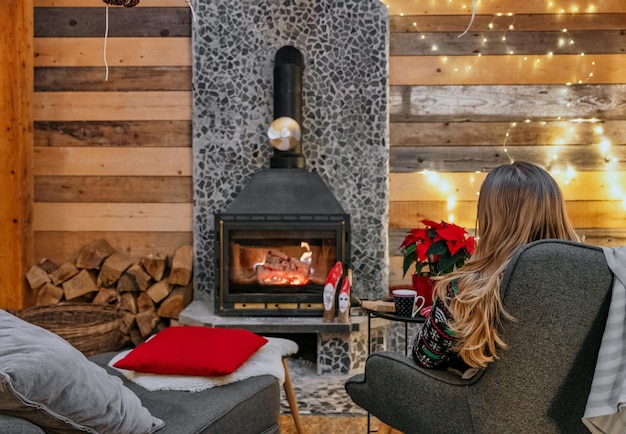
(288, 67)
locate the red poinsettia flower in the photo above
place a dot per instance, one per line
(454, 236)
(440, 245)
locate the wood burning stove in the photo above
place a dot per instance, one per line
(276, 246)
(278, 240)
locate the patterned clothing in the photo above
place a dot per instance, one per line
(433, 344)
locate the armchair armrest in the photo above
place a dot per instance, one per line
(411, 398)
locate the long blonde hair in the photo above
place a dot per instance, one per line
(518, 203)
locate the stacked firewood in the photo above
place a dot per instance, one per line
(150, 293)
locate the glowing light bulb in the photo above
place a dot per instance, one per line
(451, 203)
(605, 146)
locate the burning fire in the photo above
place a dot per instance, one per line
(280, 269)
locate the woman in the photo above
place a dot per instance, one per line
(518, 203)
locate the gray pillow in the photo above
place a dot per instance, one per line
(46, 380)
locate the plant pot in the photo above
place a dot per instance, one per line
(424, 287)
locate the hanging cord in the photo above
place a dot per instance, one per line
(193, 13)
(106, 34)
(471, 20)
(126, 4)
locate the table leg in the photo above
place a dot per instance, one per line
(383, 428)
(291, 398)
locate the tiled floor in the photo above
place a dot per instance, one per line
(319, 395)
(324, 405)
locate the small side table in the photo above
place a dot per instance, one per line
(391, 317)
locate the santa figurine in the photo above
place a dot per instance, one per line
(330, 289)
(344, 299)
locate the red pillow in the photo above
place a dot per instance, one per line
(193, 350)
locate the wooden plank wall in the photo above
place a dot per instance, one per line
(534, 80)
(113, 158)
(112, 155)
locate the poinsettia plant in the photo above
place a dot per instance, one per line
(436, 249)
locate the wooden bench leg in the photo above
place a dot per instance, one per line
(383, 428)
(291, 398)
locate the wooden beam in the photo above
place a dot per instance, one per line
(112, 106)
(100, 4)
(120, 189)
(514, 103)
(16, 141)
(120, 217)
(464, 186)
(583, 213)
(119, 52)
(527, 23)
(122, 133)
(507, 69)
(111, 161)
(495, 7)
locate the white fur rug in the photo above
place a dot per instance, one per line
(267, 360)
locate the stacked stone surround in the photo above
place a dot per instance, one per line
(345, 119)
(345, 134)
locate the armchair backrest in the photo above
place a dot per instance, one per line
(559, 293)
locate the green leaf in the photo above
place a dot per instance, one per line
(438, 248)
(409, 258)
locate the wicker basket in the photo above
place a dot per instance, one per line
(91, 328)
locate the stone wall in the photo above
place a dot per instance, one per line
(345, 119)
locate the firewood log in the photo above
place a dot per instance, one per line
(182, 265)
(174, 304)
(146, 321)
(93, 254)
(144, 302)
(154, 264)
(135, 337)
(64, 272)
(128, 302)
(106, 296)
(126, 283)
(142, 278)
(47, 265)
(112, 269)
(160, 290)
(79, 285)
(127, 323)
(49, 294)
(37, 278)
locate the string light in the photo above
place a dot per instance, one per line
(497, 30)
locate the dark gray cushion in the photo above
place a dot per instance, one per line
(47, 381)
(17, 425)
(247, 406)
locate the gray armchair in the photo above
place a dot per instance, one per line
(559, 292)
